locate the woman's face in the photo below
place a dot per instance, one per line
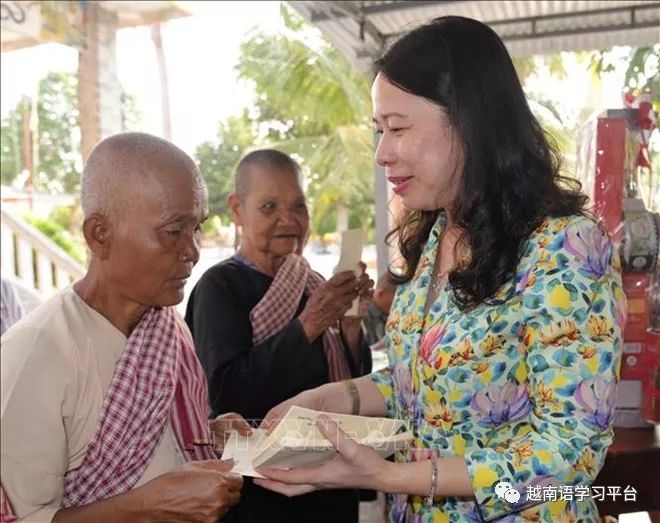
(273, 213)
(418, 147)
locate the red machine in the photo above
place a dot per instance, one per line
(615, 172)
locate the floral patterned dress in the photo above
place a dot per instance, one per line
(522, 388)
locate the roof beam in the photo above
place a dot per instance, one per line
(572, 14)
(351, 9)
(404, 5)
(577, 31)
(632, 22)
(330, 11)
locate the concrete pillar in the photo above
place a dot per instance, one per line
(99, 92)
(383, 222)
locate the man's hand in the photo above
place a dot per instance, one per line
(222, 427)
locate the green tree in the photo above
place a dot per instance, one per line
(217, 160)
(59, 163)
(642, 68)
(11, 142)
(58, 168)
(529, 65)
(315, 106)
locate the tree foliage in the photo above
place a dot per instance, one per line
(218, 159)
(59, 164)
(315, 106)
(642, 70)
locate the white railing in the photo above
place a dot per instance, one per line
(30, 256)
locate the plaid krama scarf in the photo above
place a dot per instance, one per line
(157, 377)
(6, 514)
(278, 307)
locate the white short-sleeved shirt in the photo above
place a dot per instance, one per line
(56, 367)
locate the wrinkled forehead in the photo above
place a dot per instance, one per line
(200, 191)
(265, 180)
(170, 191)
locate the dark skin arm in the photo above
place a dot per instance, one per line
(200, 492)
(330, 302)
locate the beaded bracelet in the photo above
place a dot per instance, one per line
(428, 501)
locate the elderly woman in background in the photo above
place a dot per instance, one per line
(267, 327)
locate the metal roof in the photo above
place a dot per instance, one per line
(362, 28)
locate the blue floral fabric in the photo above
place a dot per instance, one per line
(522, 388)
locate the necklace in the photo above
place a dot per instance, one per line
(437, 285)
(440, 281)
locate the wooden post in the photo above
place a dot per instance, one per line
(383, 223)
(99, 92)
(157, 38)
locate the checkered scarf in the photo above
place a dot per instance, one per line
(157, 377)
(278, 307)
(6, 514)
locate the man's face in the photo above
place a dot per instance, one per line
(155, 239)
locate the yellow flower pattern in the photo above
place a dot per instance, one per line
(522, 389)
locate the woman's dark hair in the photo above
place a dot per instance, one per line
(511, 178)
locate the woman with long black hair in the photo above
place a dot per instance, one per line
(505, 334)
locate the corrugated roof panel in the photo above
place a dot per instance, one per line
(649, 14)
(581, 42)
(572, 24)
(615, 19)
(516, 29)
(389, 22)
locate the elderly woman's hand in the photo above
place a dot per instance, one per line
(330, 301)
(366, 293)
(222, 427)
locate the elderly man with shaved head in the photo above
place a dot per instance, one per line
(104, 404)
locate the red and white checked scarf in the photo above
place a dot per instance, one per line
(278, 307)
(6, 514)
(158, 377)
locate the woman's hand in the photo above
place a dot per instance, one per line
(309, 399)
(366, 294)
(355, 466)
(223, 425)
(351, 326)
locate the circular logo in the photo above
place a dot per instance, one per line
(512, 496)
(501, 488)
